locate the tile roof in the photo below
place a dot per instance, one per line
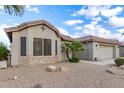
(91, 38)
(35, 23)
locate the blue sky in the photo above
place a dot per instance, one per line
(72, 20)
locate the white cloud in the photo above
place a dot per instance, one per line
(90, 11)
(96, 10)
(121, 30)
(73, 22)
(111, 12)
(116, 21)
(63, 31)
(78, 28)
(1, 7)
(3, 35)
(96, 20)
(32, 9)
(98, 30)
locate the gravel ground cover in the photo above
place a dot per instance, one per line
(80, 75)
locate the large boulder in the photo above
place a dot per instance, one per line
(3, 64)
(51, 68)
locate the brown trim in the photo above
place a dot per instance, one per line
(103, 44)
(36, 23)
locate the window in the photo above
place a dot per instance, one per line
(56, 50)
(23, 46)
(47, 47)
(37, 47)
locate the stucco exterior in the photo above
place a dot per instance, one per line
(30, 33)
(95, 48)
(98, 50)
(121, 51)
(87, 53)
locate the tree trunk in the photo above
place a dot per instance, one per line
(73, 54)
(67, 53)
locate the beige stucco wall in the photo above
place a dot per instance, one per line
(121, 51)
(30, 33)
(15, 49)
(87, 53)
(95, 50)
(105, 52)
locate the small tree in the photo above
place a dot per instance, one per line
(74, 48)
(66, 48)
(4, 51)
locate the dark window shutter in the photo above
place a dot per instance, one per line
(56, 48)
(37, 46)
(23, 46)
(47, 47)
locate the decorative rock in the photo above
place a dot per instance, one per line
(63, 69)
(37, 86)
(122, 67)
(112, 71)
(13, 78)
(3, 64)
(52, 68)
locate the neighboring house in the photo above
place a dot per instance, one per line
(121, 49)
(36, 42)
(97, 48)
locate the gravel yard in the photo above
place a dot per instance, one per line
(81, 75)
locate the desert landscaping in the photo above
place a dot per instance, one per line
(81, 75)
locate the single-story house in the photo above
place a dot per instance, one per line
(121, 49)
(36, 42)
(40, 42)
(97, 48)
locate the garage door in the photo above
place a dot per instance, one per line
(105, 52)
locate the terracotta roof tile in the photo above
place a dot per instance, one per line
(91, 38)
(34, 23)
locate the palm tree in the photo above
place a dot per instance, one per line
(66, 48)
(74, 48)
(16, 10)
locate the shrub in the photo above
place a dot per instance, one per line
(74, 60)
(119, 61)
(3, 51)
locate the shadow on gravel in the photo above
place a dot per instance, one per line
(37, 86)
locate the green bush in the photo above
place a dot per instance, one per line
(119, 61)
(74, 60)
(3, 51)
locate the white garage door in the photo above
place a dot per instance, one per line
(105, 52)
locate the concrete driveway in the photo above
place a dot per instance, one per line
(102, 62)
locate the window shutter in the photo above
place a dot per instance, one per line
(37, 47)
(56, 48)
(47, 47)
(23, 46)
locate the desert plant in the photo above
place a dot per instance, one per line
(74, 60)
(4, 51)
(66, 49)
(74, 48)
(119, 61)
(16, 10)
